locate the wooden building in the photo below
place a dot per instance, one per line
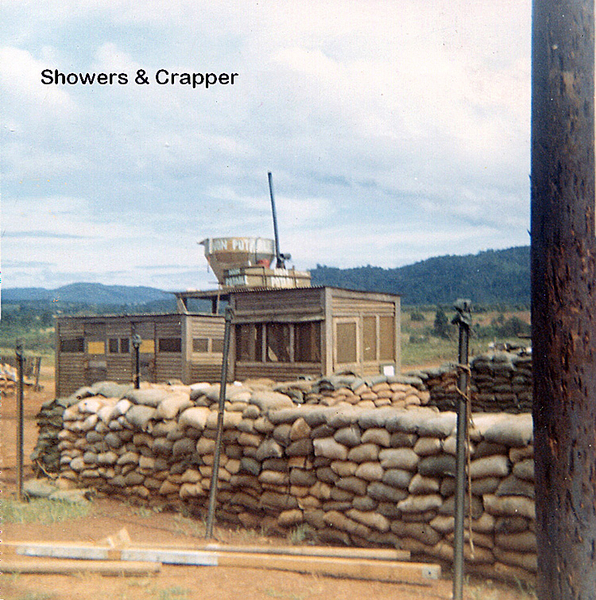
(287, 333)
(280, 334)
(173, 347)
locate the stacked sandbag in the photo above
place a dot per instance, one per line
(398, 391)
(46, 454)
(348, 472)
(498, 382)
(502, 381)
(512, 503)
(441, 384)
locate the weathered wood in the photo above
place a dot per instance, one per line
(563, 258)
(323, 551)
(71, 567)
(349, 563)
(88, 550)
(371, 570)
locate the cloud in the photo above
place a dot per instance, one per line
(393, 131)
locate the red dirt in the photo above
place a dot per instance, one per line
(107, 517)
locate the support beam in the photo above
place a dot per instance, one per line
(71, 567)
(564, 296)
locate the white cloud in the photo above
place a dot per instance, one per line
(394, 131)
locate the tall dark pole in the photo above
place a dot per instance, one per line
(20, 418)
(136, 344)
(564, 297)
(463, 320)
(220, 424)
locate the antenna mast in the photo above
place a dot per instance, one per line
(279, 257)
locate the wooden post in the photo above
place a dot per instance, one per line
(20, 419)
(564, 296)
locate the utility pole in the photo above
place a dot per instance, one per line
(564, 297)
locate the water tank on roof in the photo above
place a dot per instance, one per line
(237, 252)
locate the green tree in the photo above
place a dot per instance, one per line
(441, 324)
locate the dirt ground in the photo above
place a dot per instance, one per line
(107, 517)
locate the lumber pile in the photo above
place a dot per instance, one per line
(136, 559)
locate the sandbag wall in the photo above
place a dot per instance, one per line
(499, 382)
(334, 466)
(46, 454)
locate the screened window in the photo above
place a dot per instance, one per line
(278, 342)
(170, 345)
(307, 342)
(200, 345)
(249, 342)
(72, 345)
(118, 345)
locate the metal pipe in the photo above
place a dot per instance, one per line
(220, 422)
(279, 261)
(462, 319)
(136, 343)
(20, 385)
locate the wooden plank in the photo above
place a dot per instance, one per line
(328, 551)
(372, 570)
(70, 567)
(170, 556)
(89, 550)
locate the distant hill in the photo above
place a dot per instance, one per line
(88, 293)
(489, 277)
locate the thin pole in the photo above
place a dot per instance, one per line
(462, 319)
(136, 344)
(563, 258)
(20, 385)
(220, 423)
(279, 261)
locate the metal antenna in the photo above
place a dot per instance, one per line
(279, 257)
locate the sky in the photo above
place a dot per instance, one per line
(395, 131)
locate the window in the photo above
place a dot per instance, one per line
(72, 345)
(200, 345)
(278, 342)
(346, 342)
(170, 345)
(217, 345)
(249, 342)
(118, 345)
(307, 342)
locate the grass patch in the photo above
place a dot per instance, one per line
(300, 534)
(189, 526)
(42, 510)
(173, 593)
